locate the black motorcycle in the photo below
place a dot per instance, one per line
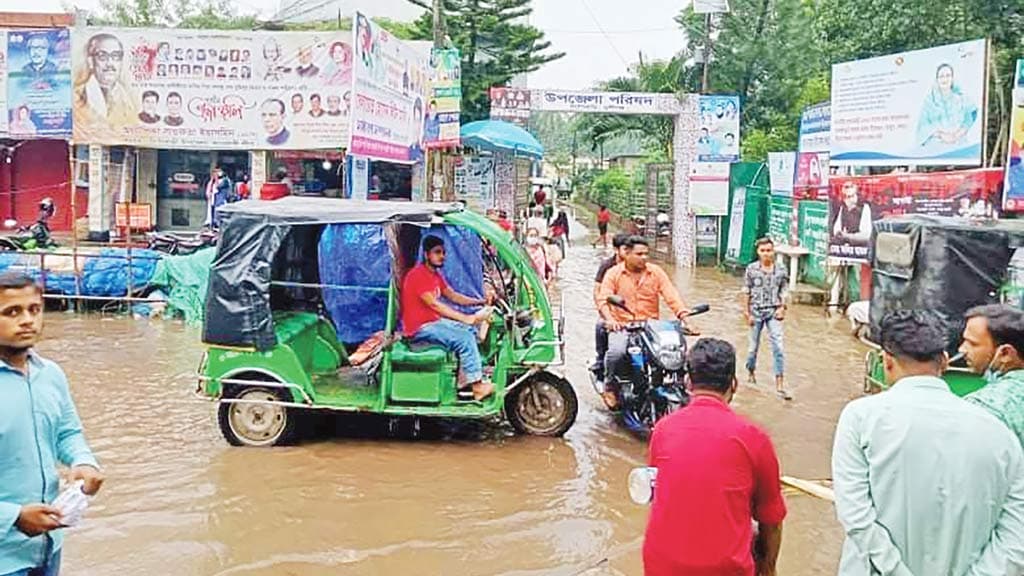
(657, 354)
(181, 244)
(34, 237)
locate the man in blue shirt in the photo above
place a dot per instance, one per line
(39, 429)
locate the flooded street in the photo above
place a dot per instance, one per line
(180, 501)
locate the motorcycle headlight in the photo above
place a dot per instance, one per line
(671, 359)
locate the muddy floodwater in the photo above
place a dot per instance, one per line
(180, 501)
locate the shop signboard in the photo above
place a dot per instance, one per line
(605, 102)
(391, 88)
(137, 216)
(441, 124)
(211, 89)
(925, 107)
(38, 83)
(719, 139)
(856, 202)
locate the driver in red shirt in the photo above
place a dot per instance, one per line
(717, 475)
(427, 318)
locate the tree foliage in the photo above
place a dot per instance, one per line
(495, 42)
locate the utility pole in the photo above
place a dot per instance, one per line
(438, 24)
(707, 53)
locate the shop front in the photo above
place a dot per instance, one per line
(309, 172)
(182, 176)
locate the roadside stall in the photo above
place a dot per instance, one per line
(514, 151)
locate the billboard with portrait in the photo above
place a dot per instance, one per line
(441, 125)
(38, 90)
(1013, 188)
(812, 159)
(205, 89)
(857, 201)
(719, 139)
(391, 91)
(925, 107)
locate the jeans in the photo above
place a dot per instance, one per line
(600, 348)
(51, 568)
(616, 359)
(762, 319)
(459, 338)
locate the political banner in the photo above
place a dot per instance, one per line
(441, 125)
(510, 105)
(925, 107)
(781, 172)
(1013, 187)
(719, 139)
(812, 159)
(38, 80)
(858, 201)
(606, 102)
(204, 89)
(391, 88)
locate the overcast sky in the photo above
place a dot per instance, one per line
(599, 37)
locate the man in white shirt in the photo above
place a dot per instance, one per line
(926, 483)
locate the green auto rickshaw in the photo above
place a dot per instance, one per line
(944, 264)
(303, 314)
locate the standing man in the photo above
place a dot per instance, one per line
(41, 429)
(641, 284)
(717, 475)
(218, 188)
(765, 287)
(600, 332)
(426, 318)
(603, 218)
(925, 482)
(994, 346)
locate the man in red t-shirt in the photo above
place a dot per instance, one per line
(426, 318)
(603, 218)
(717, 474)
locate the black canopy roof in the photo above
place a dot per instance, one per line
(299, 210)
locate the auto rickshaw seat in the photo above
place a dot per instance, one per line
(410, 354)
(289, 325)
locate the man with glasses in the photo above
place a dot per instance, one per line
(101, 96)
(39, 64)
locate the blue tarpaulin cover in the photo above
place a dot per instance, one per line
(105, 274)
(355, 267)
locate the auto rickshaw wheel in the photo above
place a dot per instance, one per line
(252, 423)
(544, 405)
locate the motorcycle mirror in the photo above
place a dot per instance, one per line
(10, 224)
(617, 301)
(641, 484)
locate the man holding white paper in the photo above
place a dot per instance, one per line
(39, 429)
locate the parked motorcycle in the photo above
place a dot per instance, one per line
(181, 244)
(657, 353)
(34, 237)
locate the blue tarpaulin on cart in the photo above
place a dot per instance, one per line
(355, 268)
(103, 274)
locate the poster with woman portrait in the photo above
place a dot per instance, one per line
(925, 107)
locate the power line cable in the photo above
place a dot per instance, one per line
(605, 33)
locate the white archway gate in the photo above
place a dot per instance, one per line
(685, 111)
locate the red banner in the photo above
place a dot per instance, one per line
(856, 202)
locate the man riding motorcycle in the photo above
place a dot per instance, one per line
(640, 284)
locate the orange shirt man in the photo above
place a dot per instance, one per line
(642, 285)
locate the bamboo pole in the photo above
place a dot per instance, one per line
(808, 487)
